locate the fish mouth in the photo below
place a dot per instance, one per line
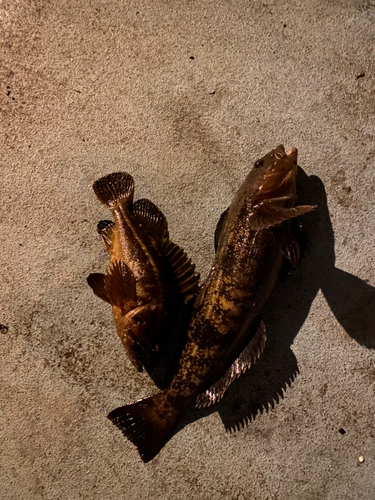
(292, 154)
(279, 174)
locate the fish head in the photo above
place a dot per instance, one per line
(274, 175)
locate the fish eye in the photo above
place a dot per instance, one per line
(258, 163)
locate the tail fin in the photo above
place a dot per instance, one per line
(147, 424)
(114, 188)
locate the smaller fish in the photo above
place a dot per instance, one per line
(148, 277)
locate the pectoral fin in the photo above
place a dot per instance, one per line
(246, 359)
(119, 284)
(96, 282)
(271, 212)
(293, 252)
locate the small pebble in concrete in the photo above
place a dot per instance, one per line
(361, 459)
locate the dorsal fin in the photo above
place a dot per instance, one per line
(105, 229)
(151, 218)
(119, 284)
(220, 226)
(246, 359)
(183, 270)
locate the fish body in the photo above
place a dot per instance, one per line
(226, 334)
(147, 275)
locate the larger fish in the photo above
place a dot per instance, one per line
(226, 334)
(148, 273)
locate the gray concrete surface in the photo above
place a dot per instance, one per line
(185, 95)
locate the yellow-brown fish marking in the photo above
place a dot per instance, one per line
(148, 275)
(226, 334)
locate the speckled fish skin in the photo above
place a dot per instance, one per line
(250, 250)
(148, 274)
(155, 293)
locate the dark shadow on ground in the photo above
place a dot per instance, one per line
(350, 299)
(166, 365)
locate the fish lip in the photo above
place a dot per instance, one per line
(292, 154)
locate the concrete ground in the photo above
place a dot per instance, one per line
(185, 95)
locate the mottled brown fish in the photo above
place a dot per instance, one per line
(226, 334)
(148, 274)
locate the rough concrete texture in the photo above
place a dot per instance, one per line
(185, 95)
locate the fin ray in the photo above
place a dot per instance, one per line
(114, 189)
(105, 229)
(269, 213)
(119, 283)
(96, 282)
(141, 422)
(245, 360)
(183, 269)
(151, 218)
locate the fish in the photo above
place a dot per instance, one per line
(226, 334)
(148, 277)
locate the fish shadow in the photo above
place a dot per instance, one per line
(349, 298)
(165, 366)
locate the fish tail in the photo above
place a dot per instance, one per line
(114, 189)
(148, 424)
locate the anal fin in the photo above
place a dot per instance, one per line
(105, 229)
(245, 360)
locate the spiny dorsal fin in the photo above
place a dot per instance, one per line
(96, 282)
(114, 189)
(246, 359)
(220, 226)
(183, 270)
(105, 229)
(271, 212)
(119, 283)
(151, 219)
